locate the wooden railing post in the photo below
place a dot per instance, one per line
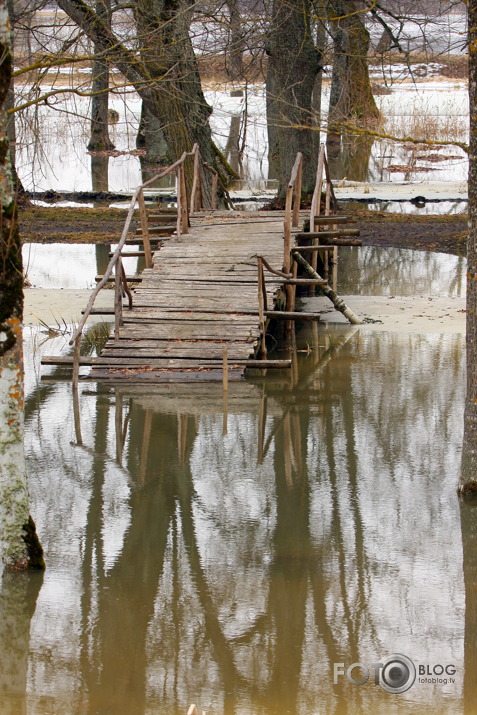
(76, 360)
(316, 207)
(287, 230)
(184, 212)
(196, 193)
(297, 200)
(179, 203)
(261, 307)
(118, 298)
(145, 230)
(126, 287)
(329, 202)
(225, 368)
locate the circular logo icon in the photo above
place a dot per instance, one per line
(397, 674)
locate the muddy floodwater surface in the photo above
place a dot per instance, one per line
(230, 553)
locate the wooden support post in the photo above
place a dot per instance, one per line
(179, 203)
(264, 287)
(287, 230)
(261, 312)
(334, 269)
(118, 299)
(316, 206)
(195, 194)
(126, 287)
(184, 207)
(297, 200)
(316, 200)
(145, 230)
(76, 361)
(76, 414)
(225, 368)
(287, 258)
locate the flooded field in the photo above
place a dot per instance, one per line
(369, 271)
(437, 109)
(242, 553)
(230, 553)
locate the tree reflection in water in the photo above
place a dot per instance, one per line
(232, 570)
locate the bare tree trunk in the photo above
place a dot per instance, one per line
(151, 138)
(236, 45)
(293, 64)
(351, 97)
(468, 480)
(19, 544)
(100, 140)
(20, 193)
(164, 73)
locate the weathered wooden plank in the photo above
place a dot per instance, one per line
(204, 362)
(291, 315)
(155, 377)
(306, 281)
(190, 350)
(324, 220)
(200, 295)
(332, 233)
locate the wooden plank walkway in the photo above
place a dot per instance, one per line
(200, 294)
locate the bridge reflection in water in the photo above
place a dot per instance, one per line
(228, 553)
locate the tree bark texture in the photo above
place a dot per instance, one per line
(19, 545)
(100, 140)
(468, 480)
(164, 72)
(293, 65)
(351, 96)
(236, 44)
(151, 138)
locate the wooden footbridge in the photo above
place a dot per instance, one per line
(212, 283)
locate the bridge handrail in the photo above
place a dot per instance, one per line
(292, 208)
(116, 260)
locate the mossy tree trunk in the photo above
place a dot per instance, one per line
(293, 64)
(19, 545)
(351, 96)
(100, 140)
(468, 480)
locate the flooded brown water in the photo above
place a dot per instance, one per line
(230, 554)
